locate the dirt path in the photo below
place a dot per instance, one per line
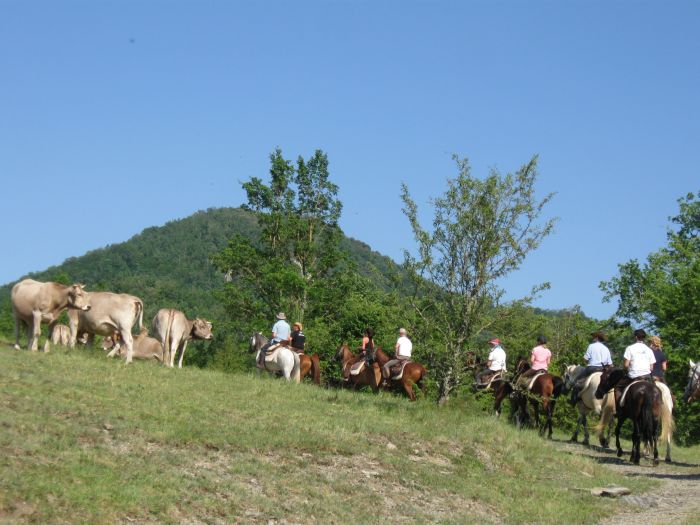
(676, 501)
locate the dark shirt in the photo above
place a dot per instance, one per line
(298, 339)
(658, 370)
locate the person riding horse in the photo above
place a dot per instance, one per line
(638, 360)
(539, 361)
(298, 339)
(402, 351)
(496, 363)
(597, 356)
(367, 346)
(659, 370)
(280, 333)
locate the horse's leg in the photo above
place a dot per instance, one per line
(408, 388)
(586, 435)
(550, 413)
(620, 420)
(636, 453)
(580, 420)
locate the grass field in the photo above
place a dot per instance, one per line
(87, 439)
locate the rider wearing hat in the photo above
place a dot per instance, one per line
(496, 361)
(280, 333)
(403, 349)
(597, 356)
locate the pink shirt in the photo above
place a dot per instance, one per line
(540, 358)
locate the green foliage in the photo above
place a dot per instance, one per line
(481, 231)
(663, 295)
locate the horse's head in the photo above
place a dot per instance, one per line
(692, 389)
(608, 379)
(257, 341)
(521, 365)
(343, 351)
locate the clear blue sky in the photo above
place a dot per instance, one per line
(118, 115)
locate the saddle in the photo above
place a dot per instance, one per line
(357, 368)
(622, 398)
(531, 380)
(396, 371)
(271, 352)
(490, 378)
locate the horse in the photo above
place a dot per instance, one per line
(587, 403)
(370, 375)
(643, 404)
(545, 390)
(692, 389)
(285, 361)
(413, 374)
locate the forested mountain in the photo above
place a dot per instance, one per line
(170, 265)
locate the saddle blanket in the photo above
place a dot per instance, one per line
(396, 371)
(534, 378)
(622, 399)
(271, 352)
(490, 379)
(590, 378)
(356, 368)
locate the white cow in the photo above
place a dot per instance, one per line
(34, 303)
(109, 313)
(174, 330)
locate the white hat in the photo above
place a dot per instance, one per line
(281, 316)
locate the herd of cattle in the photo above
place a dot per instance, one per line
(110, 315)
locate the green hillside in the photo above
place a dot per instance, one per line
(88, 440)
(169, 265)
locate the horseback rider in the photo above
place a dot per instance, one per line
(402, 350)
(597, 356)
(298, 339)
(539, 360)
(367, 347)
(659, 370)
(639, 360)
(280, 333)
(496, 361)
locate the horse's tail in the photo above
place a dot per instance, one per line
(167, 359)
(296, 370)
(668, 425)
(607, 412)
(316, 369)
(647, 417)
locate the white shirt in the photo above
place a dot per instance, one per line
(641, 358)
(597, 354)
(497, 358)
(405, 346)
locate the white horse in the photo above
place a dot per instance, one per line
(587, 402)
(692, 389)
(285, 360)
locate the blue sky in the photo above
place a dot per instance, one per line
(116, 116)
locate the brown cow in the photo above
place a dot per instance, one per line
(109, 313)
(144, 347)
(174, 330)
(34, 303)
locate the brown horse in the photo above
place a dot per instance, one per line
(545, 390)
(370, 375)
(643, 405)
(413, 374)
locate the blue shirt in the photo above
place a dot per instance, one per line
(281, 330)
(597, 354)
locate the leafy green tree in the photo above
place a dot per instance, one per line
(482, 231)
(298, 212)
(663, 295)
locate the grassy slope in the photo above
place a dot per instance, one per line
(86, 439)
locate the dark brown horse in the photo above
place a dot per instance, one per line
(369, 376)
(544, 391)
(413, 374)
(643, 405)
